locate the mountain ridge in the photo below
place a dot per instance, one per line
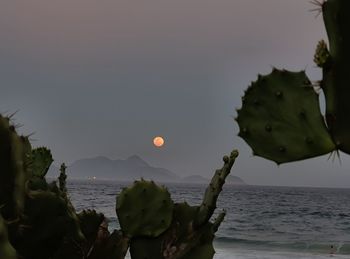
(129, 169)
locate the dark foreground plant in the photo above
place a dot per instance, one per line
(38, 221)
(280, 116)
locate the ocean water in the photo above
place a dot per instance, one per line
(261, 222)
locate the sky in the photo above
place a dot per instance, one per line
(103, 77)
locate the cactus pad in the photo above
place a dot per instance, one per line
(90, 222)
(48, 223)
(144, 209)
(212, 192)
(335, 83)
(168, 244)
(281, 120)
(42, 160)
(181, 240)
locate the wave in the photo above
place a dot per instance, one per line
(300, 246)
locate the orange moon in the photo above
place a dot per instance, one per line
(158, 141)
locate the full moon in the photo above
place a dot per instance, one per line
(158, 141)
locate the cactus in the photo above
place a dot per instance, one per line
(38, 220)
(212, 192)
(281, 119)
(280, 116)
(191, 234)
(180, 241)
(62, 178)
(12, 174)
(90, 222)
(144, 209)
(41, 161)
(48, 222)
(335, 83)
(111, 246)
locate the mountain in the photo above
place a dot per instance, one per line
(230, 180)
(235, 180)
(129, 169)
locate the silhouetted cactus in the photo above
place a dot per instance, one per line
(110, 246)
(38, 217)
(48, 223)
(90, 222)
(62, 178)
(12, 170)
(212, 192)
(41, 161)
(38, 221)
(144, 209)
(280, 116)
(191, 234)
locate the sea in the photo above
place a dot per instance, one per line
(262, 221)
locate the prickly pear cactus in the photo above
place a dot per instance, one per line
(144, 209)
(281, 119)
(12, 170)
(212, 192)
(38, 220)
(280, 116)
(90, 222)
(191, 234)
(41, 161)
(335, 83)
(172, 241)
(110, 246)
(48, 223)
(62, 178)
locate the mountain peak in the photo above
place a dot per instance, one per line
(94, 160)
(134, 167)
(135, 159)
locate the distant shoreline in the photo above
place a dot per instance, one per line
(200, 183)
(103, 180)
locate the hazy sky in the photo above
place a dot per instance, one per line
(103, 77)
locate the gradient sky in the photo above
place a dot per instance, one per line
(103, 77)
